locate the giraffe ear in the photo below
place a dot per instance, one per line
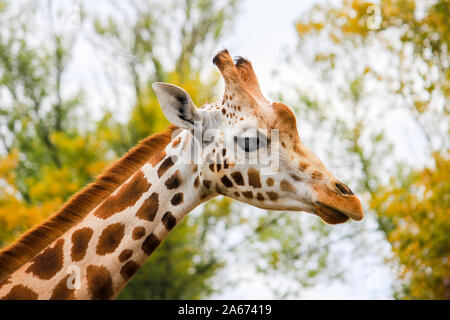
(176, 105)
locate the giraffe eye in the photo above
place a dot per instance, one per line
(249, 144)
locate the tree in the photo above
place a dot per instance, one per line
(398, 51)
(415, 209)
(149, 48)
(45, 155)
(416, 44)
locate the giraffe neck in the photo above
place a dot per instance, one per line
(96, 258)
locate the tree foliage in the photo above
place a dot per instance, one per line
(46, 157)
(415, 211)
(398, 50)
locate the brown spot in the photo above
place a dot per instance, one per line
(169, 220)
(176, 142)
(110, 238)
(126, 197)
(207, 183)
(150, 244)
(225, 164)
(174, 181)
(80, 241)
(295, 177)
(253, 178)
(218, 190)
(166, 164)
(248, 194)
(302, 166)
(260, 197)
(226, 182)
(316, 175)
(100, 285)
(157, 158)
(21, 292)
(47, 264)
(149, 208)
(298, 151)
(223, 111)
(211, 167)
(286, 186)
(194, 168)
(237, 194)
(203, 195)
(283, 144)
(272, 195)
(196, 182)
(125, 255)
(177, 199)
(219, 166)
(138, 233)
(237, 177)
(270, 182)
(129, 269)
(62, 292)
(224, 152)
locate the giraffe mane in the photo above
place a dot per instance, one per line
(83, 202)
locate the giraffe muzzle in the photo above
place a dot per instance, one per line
(337, 204)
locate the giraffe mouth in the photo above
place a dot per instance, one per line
(330, 215)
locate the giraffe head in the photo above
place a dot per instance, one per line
(249, 149)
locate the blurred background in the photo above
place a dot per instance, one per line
(369, 82)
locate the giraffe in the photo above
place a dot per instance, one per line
(93, 246)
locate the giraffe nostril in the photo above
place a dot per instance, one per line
(343, 189)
